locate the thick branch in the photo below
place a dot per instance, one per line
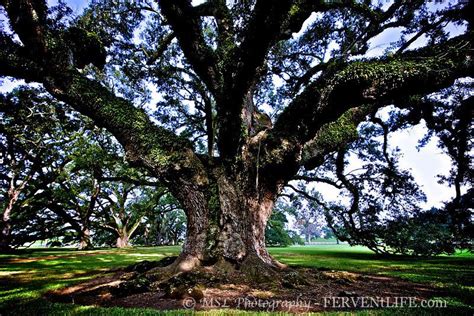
(156, 147)
(28, 19)
(263, 30)
(186, 25)
(333, 136)
(313, 120)
(146, 143)
(375, 81)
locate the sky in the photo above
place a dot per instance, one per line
(425, 164)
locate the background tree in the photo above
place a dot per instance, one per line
(277, 233)
(121, 214)
(69, 172)
(35, 144)
(308, 216)
(214, 66)
(165, 221)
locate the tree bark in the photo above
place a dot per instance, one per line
(124, 234)
(234, 233)
(195, 204)
(85, 239)
(5, 233)
(122, 241)
(243, 218)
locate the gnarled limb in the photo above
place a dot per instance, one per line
(418, 72)
(186, 25)
(146, 143)
(374, 83)
(333, 136)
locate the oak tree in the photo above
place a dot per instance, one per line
(215, 67)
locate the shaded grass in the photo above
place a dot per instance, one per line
(441, 270)
(454, 274)
(25, 276)
(30, 273)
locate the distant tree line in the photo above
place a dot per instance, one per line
(68, 183)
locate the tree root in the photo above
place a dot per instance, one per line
(187, 276)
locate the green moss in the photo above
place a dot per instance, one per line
(160, 157)
(385, 75)
(295, 8)
(339, 132)
(130, 125)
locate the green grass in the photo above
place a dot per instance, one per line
(25, 276)
(440, 270)
(324, 240)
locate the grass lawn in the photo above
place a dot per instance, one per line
(25, 276)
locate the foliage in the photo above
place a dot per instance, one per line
(427, 233)
(276, 233)
(72, 181)
(37, 141)
(383, 211)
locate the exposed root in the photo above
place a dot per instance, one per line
(183, 275)
(185, 263)
(181, 264)
(278, 264)
(257, 270)
(149, 284)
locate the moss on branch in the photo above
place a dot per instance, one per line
(145, 142)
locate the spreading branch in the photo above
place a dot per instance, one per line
(373, 83)
(186, 25)
(146, 143)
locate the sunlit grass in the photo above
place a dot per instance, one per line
(25, 276)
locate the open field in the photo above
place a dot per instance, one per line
(24, 277)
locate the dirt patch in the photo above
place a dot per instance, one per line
(295, 290)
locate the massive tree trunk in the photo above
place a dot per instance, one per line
(242, 220)
(227, 225)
